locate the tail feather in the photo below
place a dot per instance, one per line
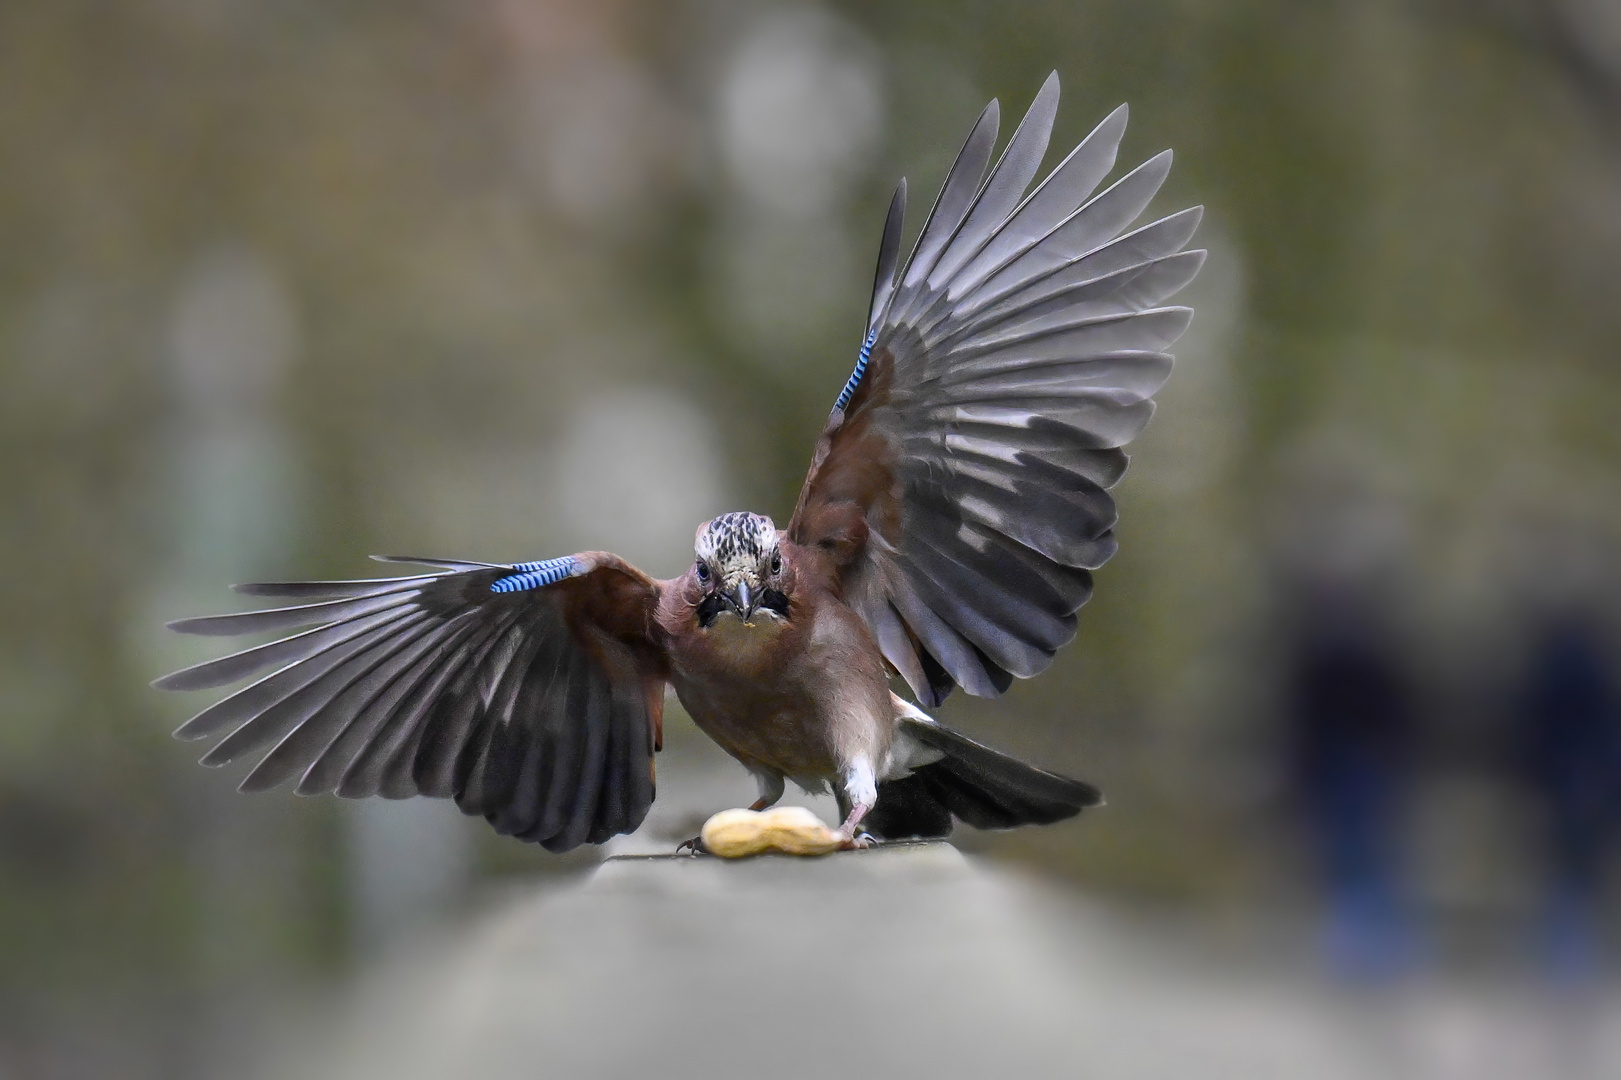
(974, 784)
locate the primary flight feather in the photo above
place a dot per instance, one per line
(956, 504)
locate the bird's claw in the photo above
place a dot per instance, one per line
(860, 841)
(693, 847)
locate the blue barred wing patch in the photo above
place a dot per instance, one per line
(855, 376)
(537, 575)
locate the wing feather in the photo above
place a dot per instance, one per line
(1054, 199)
(304, 742)
(1006, 185)
(313, 691)
(527, 693)
(326, 770)
(957, 196)
(369, 764)
(983, 426)
(889, 249)
(1133, 290)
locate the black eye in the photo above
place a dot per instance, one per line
(703, 572)
(776, 563)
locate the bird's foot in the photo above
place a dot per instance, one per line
(858, 840)
(693, 847)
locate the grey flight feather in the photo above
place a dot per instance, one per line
(956, 197)
(1014, 170)
(889, 250)
(439, 685)
(1025, 342)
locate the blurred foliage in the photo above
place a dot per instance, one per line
(483, 215)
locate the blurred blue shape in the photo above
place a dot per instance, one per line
(1351, 707)
(1572, 758)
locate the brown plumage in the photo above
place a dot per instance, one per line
(802, 695)
(955, 506)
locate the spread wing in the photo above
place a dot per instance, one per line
(531, 694)
(961, 483)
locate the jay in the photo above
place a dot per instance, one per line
(956, 505)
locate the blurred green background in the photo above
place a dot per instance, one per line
(283, 284)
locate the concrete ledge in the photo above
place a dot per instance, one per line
(904, 960)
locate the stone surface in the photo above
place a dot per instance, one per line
(903, 961)
(775, 966)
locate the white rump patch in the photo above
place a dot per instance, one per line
(906, 753)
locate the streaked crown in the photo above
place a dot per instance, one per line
(734, 543)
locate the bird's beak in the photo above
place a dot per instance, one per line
(743, 600)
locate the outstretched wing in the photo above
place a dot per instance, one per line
(961, 483)
(531, 694)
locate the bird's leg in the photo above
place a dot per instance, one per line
(851, 835)
(860, 794)
(771, 787)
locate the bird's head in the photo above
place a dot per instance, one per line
(740, 568)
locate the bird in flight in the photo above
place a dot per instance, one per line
(956, 505)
